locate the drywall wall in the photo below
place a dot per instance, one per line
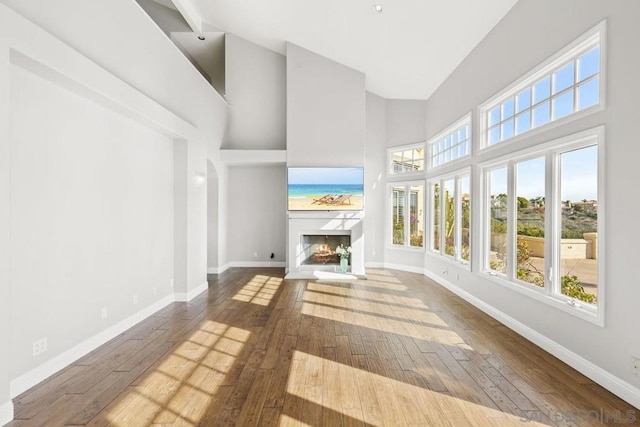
(169, 20)
(256, 92)
(212, 218)
(6, 407)
(92, 196)
(126, 124)
(530, 33)
(325, 111)
(161, 71)
(406, 121)
(374, 187)
(257, 213)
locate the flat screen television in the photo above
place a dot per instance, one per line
(325, 189)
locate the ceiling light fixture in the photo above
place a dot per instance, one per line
(376, 8)
(201, 38)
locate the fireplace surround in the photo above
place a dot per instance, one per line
(329, 229)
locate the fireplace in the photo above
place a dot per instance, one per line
(312, 239)
(321, 249)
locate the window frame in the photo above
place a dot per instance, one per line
(406, 174)
(463, 121)
(551, 292)
(406, 208)
(440, 252)
(596, 36)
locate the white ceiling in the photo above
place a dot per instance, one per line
(406, 51)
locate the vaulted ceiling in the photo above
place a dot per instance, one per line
(406, 51)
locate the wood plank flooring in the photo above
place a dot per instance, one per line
(394, 350)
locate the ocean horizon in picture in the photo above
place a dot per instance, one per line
(325, 188)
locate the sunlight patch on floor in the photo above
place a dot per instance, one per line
(259, 290)
(387, 401)
(181, 387)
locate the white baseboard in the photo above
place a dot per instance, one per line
(615, 385)
(213, 270)
(6, 412)
(251, 264)
(402, 267)
(188, 296)
(26, 381)
(374, 264)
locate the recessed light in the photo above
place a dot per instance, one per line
(376, 8)
(201, 38)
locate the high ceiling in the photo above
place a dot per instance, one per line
(406, 51)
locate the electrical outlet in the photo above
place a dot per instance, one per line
(39, 346)
(135, 299)
(635, 365)
(104, 313)
(445, 272)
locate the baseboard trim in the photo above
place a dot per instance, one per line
(213, 270)
(6, 413)
(253, 264)
(402, 267)
(615, 385)
(374, 265)
(188, 296)
(45, 370)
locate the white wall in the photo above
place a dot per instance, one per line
(325, 111)
(374, 187)
(92, 196)
(256, 93)
(530, 33)
(256, 205)
(92, 154)
(169, 20)
(212, 217)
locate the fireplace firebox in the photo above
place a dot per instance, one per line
(321, 249)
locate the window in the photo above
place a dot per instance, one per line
(406, 159)
(566, 84)
(542, 220)
(451, 144)
(407, 219)
(450, 199)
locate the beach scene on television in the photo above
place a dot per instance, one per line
(325, 189)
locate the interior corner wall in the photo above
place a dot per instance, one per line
(212, 218)
(375, 170)
(5, 231)
(256, 92)
(326, 104)
(529, 34)
(169, 20)
(256, 206)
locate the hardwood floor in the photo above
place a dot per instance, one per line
(255, 349)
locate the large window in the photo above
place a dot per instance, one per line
(566, 84)
(406, 159)
(450, 199)
(542, 220)
(451, 144)
(407, 214)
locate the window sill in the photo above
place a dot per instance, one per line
(406, 248)
(466, 265)
(583, 311)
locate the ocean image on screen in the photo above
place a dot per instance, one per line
(318, 188)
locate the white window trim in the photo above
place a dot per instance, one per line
(406, 175)
(581, 45)
(456, 259)
(389, 220)
(463, 121)
(548, 295)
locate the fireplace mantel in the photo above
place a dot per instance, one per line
(328, 223)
